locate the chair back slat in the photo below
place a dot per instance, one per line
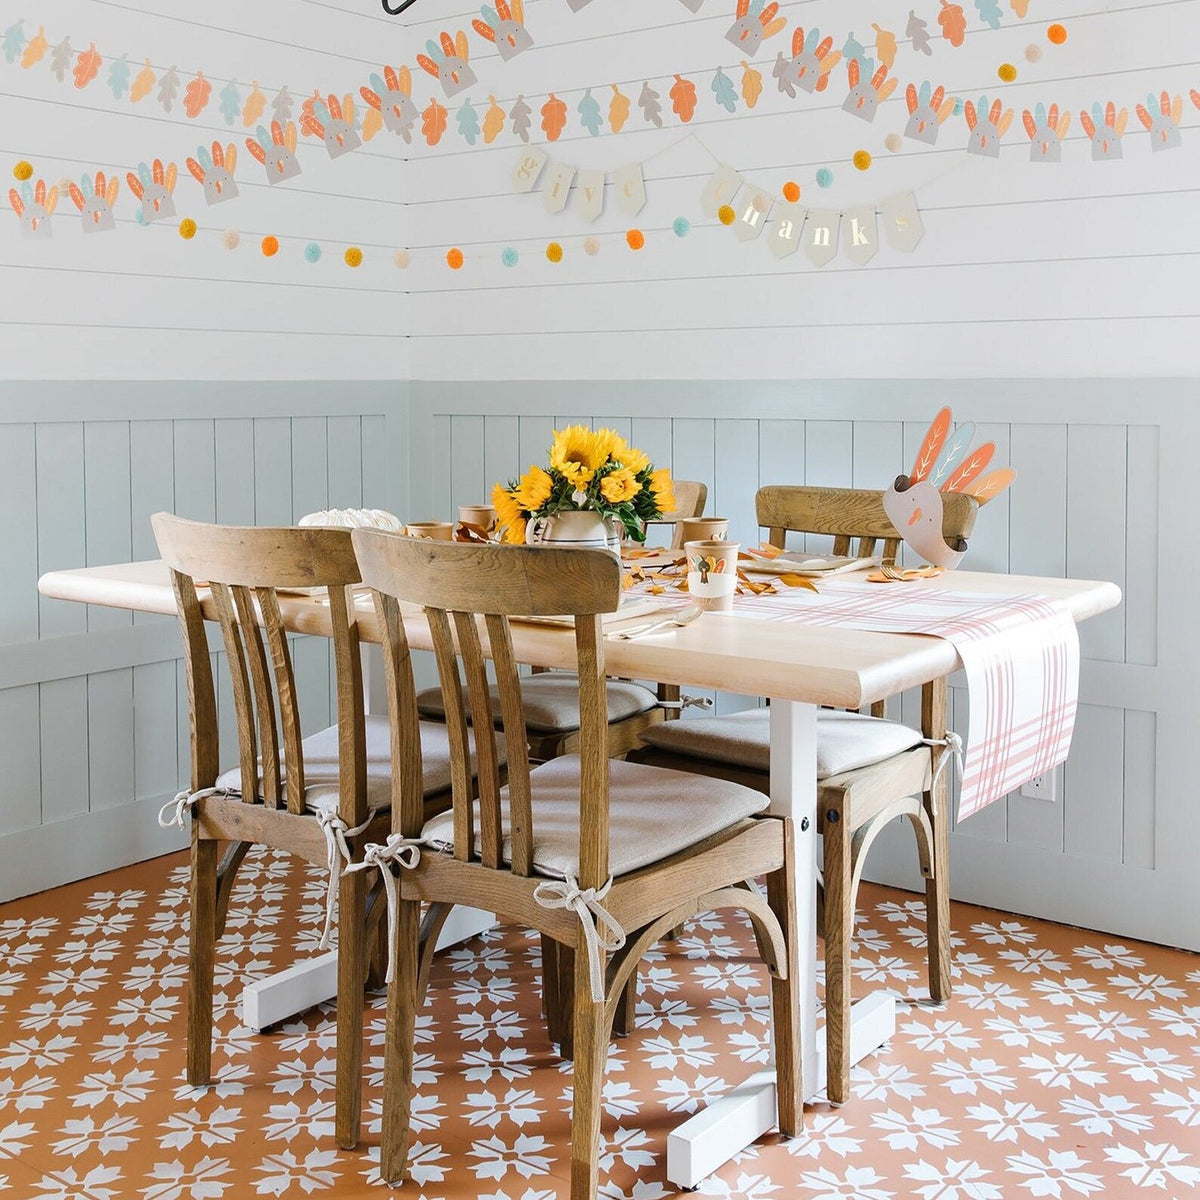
(512, 718)
(244, 569)
(690, 498)
(455, 585)
(849, 514)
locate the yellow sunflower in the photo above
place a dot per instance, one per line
(577, 454)
(509, 515)
(534, 490)
(636, 460)
(664, 492)
(620, 486)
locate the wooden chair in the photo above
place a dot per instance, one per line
(599, 855)
(317, 798)
(871, 769)
(551, 698)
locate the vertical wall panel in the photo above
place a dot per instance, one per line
(379, 472)
(155, 730)
(234, 457)
(1141, 547)
(310, 466)
(107, 507)
(20, 760)
(272, 471)
(501, 452)
(436, 505)
(65, 748)
(829, 462)
(19, 569)
(694, 454)
(1094, 812)
(466, 465)
(1140, 807)
(878, 453)
(110, 725)
(736, 478)
(195, 470)
(151, 489)
(344, 439)
(653, 436)
(62, 540)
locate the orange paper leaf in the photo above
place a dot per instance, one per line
(433, 122)
(36, 50)
(798, 581)
(372, 123)
(256, 105)
(554, 117)
(493, 122)
(195, 97)
(618, 110)
(683, 98)
(143, 81)
(931, 447)
(988, 487)
(87, 66)
(752, 85)
(953, 21)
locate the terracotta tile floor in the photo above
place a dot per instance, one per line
(1067, 1065)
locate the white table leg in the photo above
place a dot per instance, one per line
(727, 1126)
(307, 984)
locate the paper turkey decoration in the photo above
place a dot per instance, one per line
(945, 463)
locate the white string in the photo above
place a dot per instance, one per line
(954, 751)
(687, 702)
(406, 853)
(184, 802)
(338, 854)
(586, 904)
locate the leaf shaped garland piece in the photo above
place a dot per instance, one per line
(618, 110)
(143, 83)
(989, 12)
(522, 119)
(683, 98)
(283, 106)
(651, 105)
(230, 103)
(36, 50)
(590, 116)
(931, 446)
(953, 21)
(971, 468)
(197, 95)
(554, 118)
(118, 77)
(957, 445)
(433, 122)
(87, 66)
(752, 84)
(256, 105)
(13, 41)
(1020, 8)
(723, 90)
(168, 89)
(988, 487)
(468, 123)
(493, 122)
(372, 123)
(918, 32)
(60, 59)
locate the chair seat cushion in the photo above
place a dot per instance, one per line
(321, 765)
(845, 740)
(551, 702)
(653, 814)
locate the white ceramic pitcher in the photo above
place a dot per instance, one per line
(581, 528)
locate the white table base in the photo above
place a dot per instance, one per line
(727, 1126)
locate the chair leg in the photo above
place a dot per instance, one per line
(937, 902)
(839, 928)
(403, 1002)
(785, 1005)
(201, 953)
(552, 1008)
(351, 969)
(591, 1051)
(625, 1017)
(566, 1000)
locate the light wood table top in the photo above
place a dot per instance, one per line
(783, 660)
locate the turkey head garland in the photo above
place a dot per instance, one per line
(945, 463)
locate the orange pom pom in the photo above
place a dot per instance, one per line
(455, 260)
(554, 252)
(636, 239)
(1057, 34)
(726, 215)
(791, 191)
(270, 246)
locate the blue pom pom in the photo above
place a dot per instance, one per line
(824, 177)
(682, 227)
(510, 257)
(312, 252)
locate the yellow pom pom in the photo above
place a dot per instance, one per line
(726, 215)
(354, 257)
(554, 252)
(187, 229)
(23, 170)
(862, 160)
(1007, 72)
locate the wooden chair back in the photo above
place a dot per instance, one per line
(245, 568)
(463, 588)
(850, 515)
(690, 499)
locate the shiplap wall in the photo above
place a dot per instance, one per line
(93, 701)
(1096, 463)
(1079, 269)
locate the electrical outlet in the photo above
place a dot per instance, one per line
(1044, 787)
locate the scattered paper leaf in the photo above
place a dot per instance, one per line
(195, 98)
(493, 122)
(752, 84)
(554, 118)
(683, 98)
(35, 51)
(618, 110)
(143, 83)
(798, 581)
(87, 66)
(433, 122)
(256, 105)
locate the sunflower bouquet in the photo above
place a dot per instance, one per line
(589, 469)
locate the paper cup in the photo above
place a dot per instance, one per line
(435, 531)
(482, 515)
(703, 529)
(712, 573)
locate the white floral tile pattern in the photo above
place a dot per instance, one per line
(1067, 1065)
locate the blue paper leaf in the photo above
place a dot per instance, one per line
(468, 122)
(118, 78)
(14, 41)
(724, 91)
(989, 12)
(590, 116)
(953, 452)
(230, 102)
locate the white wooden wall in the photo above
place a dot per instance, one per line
(93, 702)
(1095, 463)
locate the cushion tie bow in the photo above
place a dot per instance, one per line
(601, 930)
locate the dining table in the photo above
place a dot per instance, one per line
(799, 668)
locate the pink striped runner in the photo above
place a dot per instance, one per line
(1020, 655)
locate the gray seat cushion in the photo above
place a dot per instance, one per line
(845, 740)
(551, 702)
(653, 813)
(321, 765)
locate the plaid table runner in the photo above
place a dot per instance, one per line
(1020, 655)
